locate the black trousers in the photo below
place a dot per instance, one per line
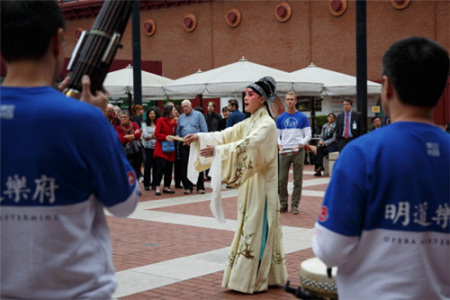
(177, 167)
(341, 142)
(149, 168)
(322, 151)
(163, 167)
(135, 160)
(187, 184)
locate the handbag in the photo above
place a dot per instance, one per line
(129, 150)
(132, 147)
(168, 146)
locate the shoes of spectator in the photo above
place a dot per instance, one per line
(283, 209)
(295, 211)
(201, 191)
(168, 191)
(178, 187)
(146, 188)
(318, 174)
(141, 179)
(187, 192)
(154, 188)
(158, 193)
(229, 187)
(319, 169)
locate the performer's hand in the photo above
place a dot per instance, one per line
(188, 139)
(100, 99)
(208, 151)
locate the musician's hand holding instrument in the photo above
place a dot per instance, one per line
(95, 52)
(100, 99)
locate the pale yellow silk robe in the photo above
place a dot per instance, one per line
(246, 155)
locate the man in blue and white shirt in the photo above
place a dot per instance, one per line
(293, 134)
(385, 219)
(191, 121)
(62, 165)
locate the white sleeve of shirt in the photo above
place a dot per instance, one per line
(125, 208)
(279, 136)
(306, 135)
(332, 248)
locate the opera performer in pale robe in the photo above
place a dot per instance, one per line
(245, 157)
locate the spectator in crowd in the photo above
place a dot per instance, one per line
(177, 165)
(165, 126)
(223, 121)
(149, 137)
(212, 118)
(136, 114)
(235, 116)
(130, 137)
(348, 124)
(376, 123)
(55, 242)
(191, 121)
(109, 114)
(212, 121)
(294, 133)
(385, 219)
(326, 144)
(117, 111)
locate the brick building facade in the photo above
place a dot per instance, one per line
(311, 34)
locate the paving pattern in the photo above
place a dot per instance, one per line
(172, 248)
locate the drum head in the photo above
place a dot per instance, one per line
(313, 276)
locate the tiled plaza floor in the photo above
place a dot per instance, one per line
(172, 248)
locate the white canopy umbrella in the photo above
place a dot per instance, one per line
(188, 86)
(120, 82)
(232, 79)
(334, 83)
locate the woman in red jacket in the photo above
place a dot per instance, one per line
(130, 137)
(164, 160)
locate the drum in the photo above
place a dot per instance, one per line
(314, 278)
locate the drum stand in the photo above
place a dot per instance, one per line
(300, 293)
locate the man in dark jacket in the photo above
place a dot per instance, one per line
(212, 119)
(348, 124)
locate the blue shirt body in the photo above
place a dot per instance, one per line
(62, 164)
(234, 118)
(383, 190)
(293, 129)
(192, 123)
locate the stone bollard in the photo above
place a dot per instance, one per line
(329, 161)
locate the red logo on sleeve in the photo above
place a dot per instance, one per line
(323, 214)
(131, 178)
